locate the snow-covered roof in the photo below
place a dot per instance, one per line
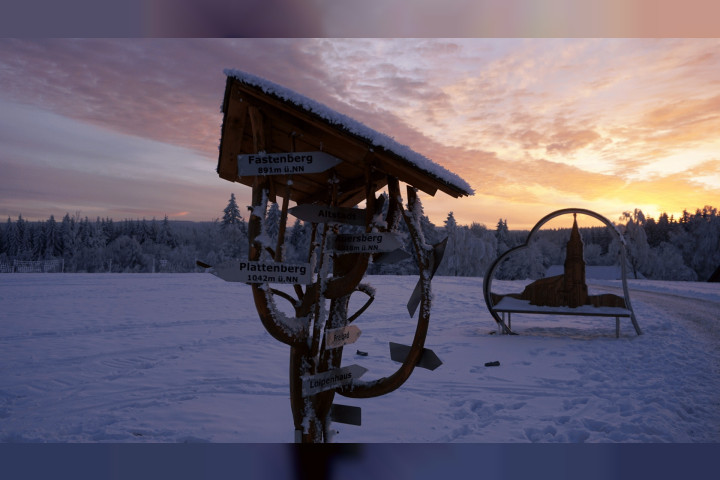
(354, 127)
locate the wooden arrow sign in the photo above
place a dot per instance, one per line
(337, 337)
(285, 163)
(428, 359)
(438, 253)
(263, 272)
(366, 242)
(322, 214)
(328, 380)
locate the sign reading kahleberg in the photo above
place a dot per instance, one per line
(328, 380)
(285, 163)
(264, 272)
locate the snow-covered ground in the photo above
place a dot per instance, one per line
(183, 358)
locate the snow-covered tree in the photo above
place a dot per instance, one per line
(667, 264)
(638, 249)
(298, 244)
(165, 235)
(502, 234)
(53, 239)
(452, 263)
(231, 213)
(271, 224)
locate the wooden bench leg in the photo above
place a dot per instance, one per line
(617, 327)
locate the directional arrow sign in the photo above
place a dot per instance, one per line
(345, 414)
(263, 272)
(337, 337)
(285, 163)
(366, 242)
(396, 255)
(328, 380)
(438, 253)
(321, 214)
(428, 359)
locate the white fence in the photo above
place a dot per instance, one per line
(33, 266)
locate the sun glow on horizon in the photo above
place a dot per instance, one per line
(533, 125)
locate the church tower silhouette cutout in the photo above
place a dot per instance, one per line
(568, 289)
(574, 292)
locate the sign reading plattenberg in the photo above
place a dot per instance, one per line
(285, 163)
(264, 272)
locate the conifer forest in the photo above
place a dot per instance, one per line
(664, 248)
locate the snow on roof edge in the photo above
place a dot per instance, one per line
(353, 126)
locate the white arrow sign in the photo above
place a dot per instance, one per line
(366, 242)
(285, 163)
(322, 214)
(337, 337)
(260, 272)
(332, 379)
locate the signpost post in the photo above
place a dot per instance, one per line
(438, 252)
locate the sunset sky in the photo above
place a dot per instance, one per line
(129, 128)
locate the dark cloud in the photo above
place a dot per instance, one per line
(246, 18)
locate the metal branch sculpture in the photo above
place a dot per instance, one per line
(310, 355)
(285, 145)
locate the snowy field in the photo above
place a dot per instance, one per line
(133, 358)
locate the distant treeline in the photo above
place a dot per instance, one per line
(686, 248)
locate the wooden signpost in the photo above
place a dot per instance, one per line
(283, 145)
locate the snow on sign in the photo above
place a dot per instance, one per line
(337, 337)
(264, 272)
(285, 163)
(366, 242)
(321, 214)
(328, 380)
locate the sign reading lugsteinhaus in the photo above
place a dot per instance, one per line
(285, 163)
